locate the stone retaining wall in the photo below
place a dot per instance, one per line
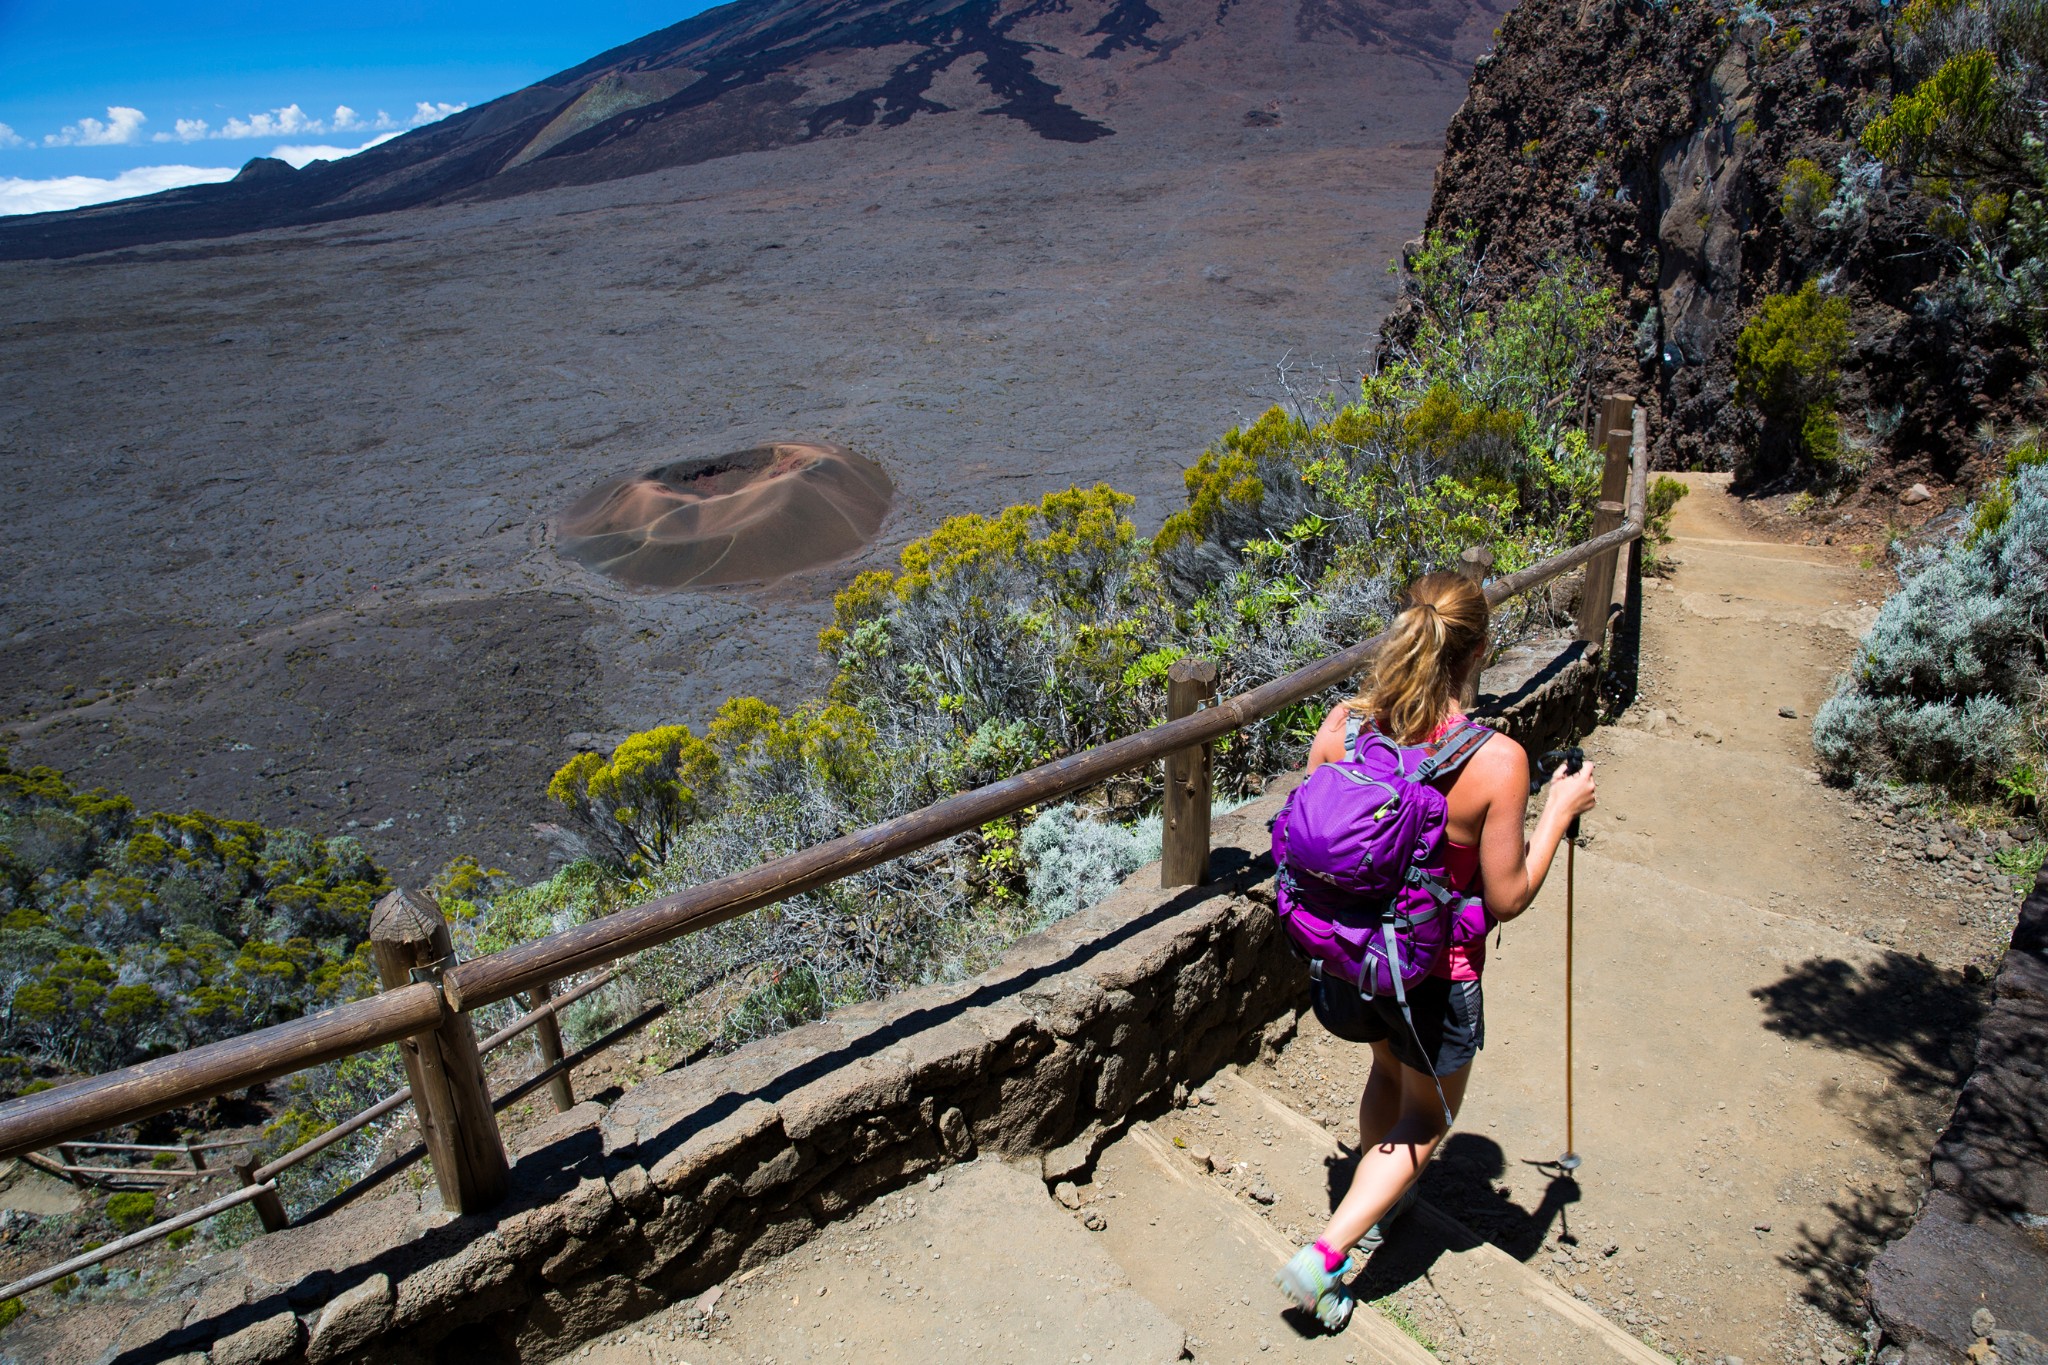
(708, 1170)
(1980, 1244)
(704, 1171)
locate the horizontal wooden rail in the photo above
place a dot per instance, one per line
(101, 1102)
(101, 1174)
(176, 1149)
(134, 1093)
(88, 1259)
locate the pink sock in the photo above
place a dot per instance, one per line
(1331, 1259)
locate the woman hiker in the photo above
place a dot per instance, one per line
(1422, 1056)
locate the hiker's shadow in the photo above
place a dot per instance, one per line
(1463, 1182)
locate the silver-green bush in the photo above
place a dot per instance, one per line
(1948, 688)
(1071, 862)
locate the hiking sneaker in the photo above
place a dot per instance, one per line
(1317, 1290)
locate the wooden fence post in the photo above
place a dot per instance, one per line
(269, 1208)
(1615, 432)
(1474, 564)
(1184, 851)
(547, 1033)
(447, 1074)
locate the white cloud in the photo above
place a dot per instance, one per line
(74, 191)
(347, 120)
(424, 113)
(289, 121)
(298, 154)
(188, 130)
(123, 126)
(10, 138)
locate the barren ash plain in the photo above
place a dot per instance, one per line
(285, 504)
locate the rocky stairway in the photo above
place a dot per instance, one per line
(1280, 1197)
(1164, 1254)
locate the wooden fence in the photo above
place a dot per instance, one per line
(427, 995)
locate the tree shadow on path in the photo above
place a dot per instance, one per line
(1918, 1022)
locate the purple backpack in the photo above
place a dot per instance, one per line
(1361, 854)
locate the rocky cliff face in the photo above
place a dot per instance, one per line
(1656, 139)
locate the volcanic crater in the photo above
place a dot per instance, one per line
(749, 517)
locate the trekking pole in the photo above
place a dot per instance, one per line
(1571, 760)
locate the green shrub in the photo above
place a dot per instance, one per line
(1970, 125)
(131, 1212)
(1805, 190)
(634, 804)
(1073, 862)
(1788, 367)
(2024, 862)
(10, 1310)
(130, 935)
(1996, 502)
(1665, 495)
(178, 1239)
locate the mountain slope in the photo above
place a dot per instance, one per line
(757, 75)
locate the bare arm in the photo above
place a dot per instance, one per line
(1511, 872)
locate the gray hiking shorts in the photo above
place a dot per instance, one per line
(1450, 1021)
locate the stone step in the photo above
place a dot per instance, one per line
(1497, 1308)
(1206, 1258)
(982, 1268)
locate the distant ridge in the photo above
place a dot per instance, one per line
(748, 77)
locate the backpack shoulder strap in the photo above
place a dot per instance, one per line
(1455, 753)
(1352, 725)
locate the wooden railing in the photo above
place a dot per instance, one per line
(424, 1005)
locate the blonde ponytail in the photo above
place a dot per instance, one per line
(1443, 626)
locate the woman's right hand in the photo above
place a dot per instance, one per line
(1571, 794)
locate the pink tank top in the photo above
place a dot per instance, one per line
(1462, 961)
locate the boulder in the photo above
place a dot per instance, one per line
(350, 1319)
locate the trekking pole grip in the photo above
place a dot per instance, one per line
(1571, 760)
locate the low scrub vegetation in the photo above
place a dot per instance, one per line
(126, 935)
(1805, 190)
(1788, 369)
(1949, 689)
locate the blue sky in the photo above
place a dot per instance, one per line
(104, 100)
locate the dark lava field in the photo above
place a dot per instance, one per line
(285, 501)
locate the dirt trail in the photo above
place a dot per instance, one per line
(1761, 1070)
